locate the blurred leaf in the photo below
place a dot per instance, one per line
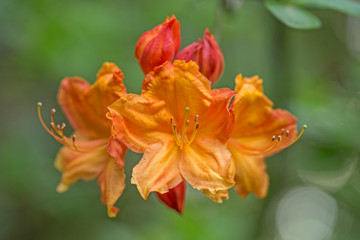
(345, 6)
(293, 16)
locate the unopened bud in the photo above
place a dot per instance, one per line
(158, 45)
(207, 54)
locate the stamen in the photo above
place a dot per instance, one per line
(176, 135)
(73, 141)
(39, 104)
(173, 127)
(56, 129)
(274, 144)
(184, 138)
(194, 132)
(186, 124)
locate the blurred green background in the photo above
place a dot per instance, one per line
(315, 74)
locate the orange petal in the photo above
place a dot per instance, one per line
(256, 122)
(158, 170)
(117, 150)
(175, 197)
(218, 121)
(218, 196)
(251, 107)
(179, 85)
(85, 106)
(81, 165)
(139, 121)
(251, 173)
(206, 165)
(112, 183)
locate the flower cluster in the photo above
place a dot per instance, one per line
(213, 139)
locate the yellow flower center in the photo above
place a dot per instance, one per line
(183, 138)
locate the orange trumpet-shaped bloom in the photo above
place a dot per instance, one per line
(93, 153)
(259, 131)
(181, 126)
(207, 54)
(158, 45)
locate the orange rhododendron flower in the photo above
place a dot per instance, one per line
(207, 54)
(259, 131)
(89, 157)
(181, 126)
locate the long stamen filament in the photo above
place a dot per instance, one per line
(301, 133)
(195, 130)
(262, 151)
(60, 140)
(56, 129)
(173, 127)
(274, 143)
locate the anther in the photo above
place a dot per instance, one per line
(39, 104)
(53, 111)
(287, 133)
(282, 131)
(279, 138)
(195, 130)
(73, 141)
(273, 138)
(196, 118)
(63, 125)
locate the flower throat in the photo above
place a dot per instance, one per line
(183, 138)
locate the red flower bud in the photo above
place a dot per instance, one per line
(175, 197)
(207, 54)
(158, 45)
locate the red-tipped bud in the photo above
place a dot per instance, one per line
(158, 45)
(207, 54)
(175, 197)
